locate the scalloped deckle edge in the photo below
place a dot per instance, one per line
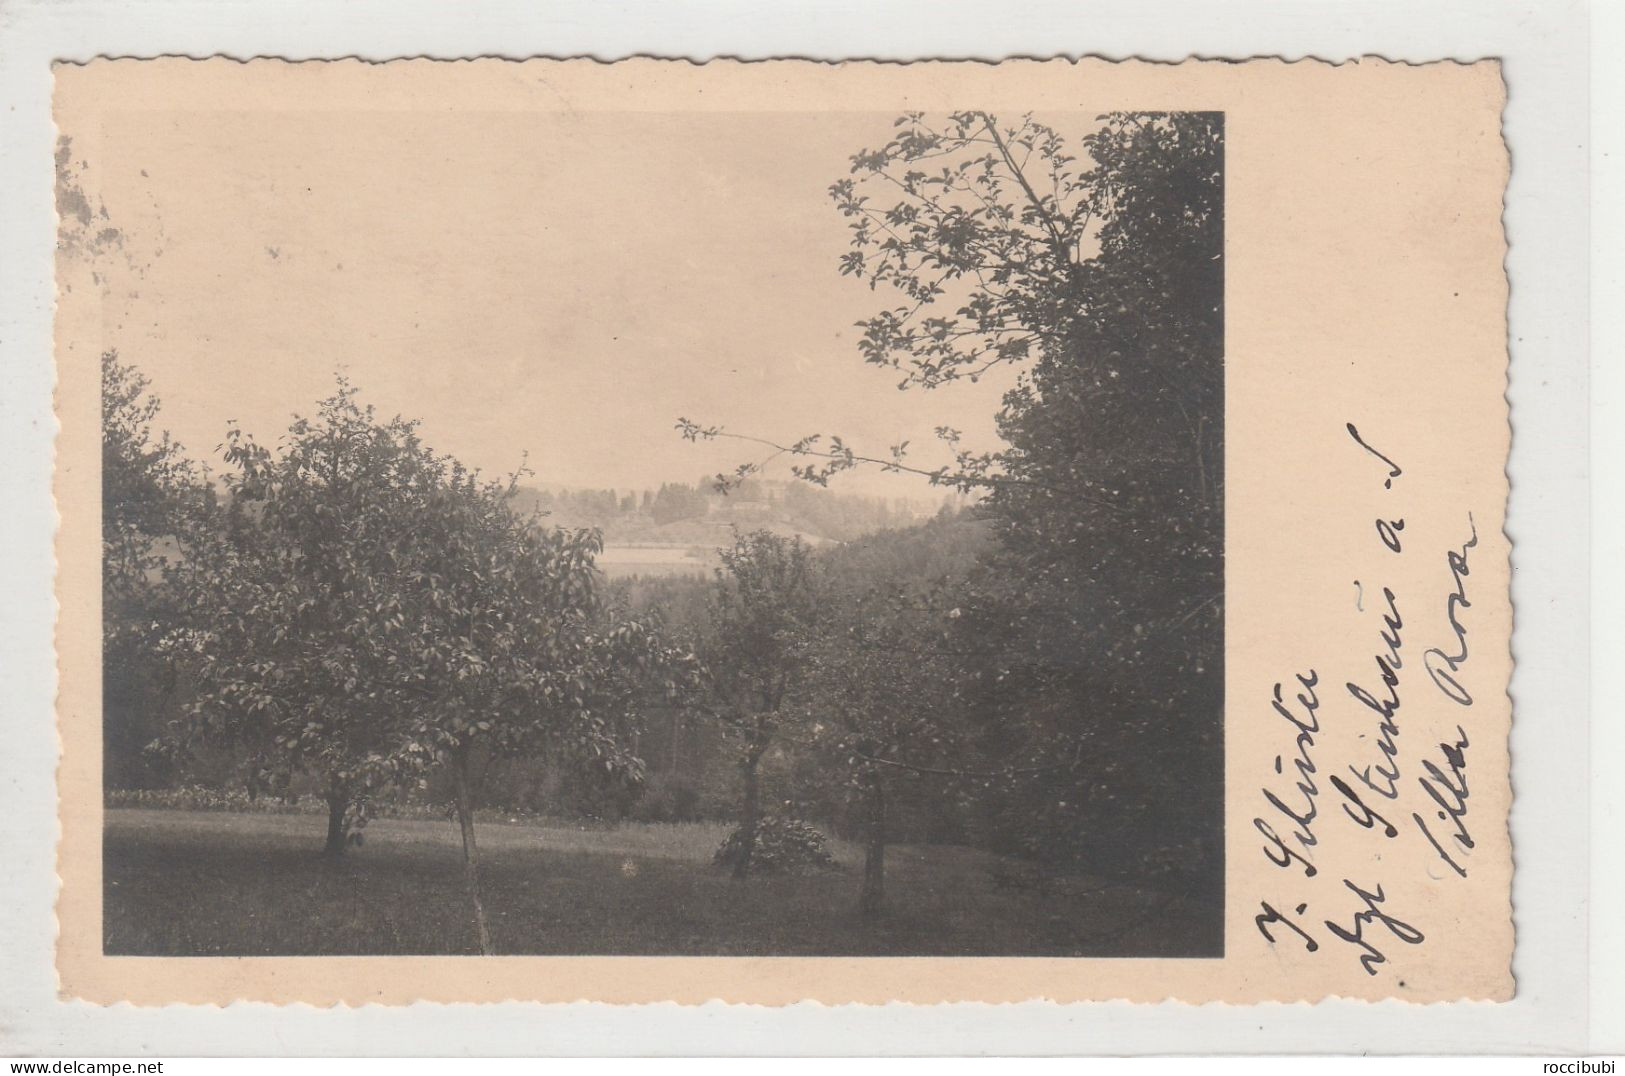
(1365, 286)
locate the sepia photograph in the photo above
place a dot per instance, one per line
(784, 531)
(616, 532)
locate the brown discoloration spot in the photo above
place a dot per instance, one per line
(71, 203)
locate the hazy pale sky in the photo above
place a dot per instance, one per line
(563, 283)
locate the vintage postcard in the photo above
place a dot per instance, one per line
(557, 530)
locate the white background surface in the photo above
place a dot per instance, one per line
(1567, 811)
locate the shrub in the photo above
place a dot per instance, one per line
(668, 798)
(202, 798)
(782, 844)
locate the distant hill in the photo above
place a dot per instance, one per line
(678, 528)
(680, 515)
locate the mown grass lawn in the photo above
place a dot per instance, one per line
(180, 883)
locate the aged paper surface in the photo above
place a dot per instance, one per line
(1366, 620)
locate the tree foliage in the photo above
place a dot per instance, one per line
(296, 602)
(1099, 267)
(154, 498)
(754, 653)
(1094, 266)
(357, 607)
(372, 611)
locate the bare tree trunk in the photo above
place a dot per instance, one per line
(873, 895)
(750, 814)
(676, 732)
(338, 802)
(471, 851)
